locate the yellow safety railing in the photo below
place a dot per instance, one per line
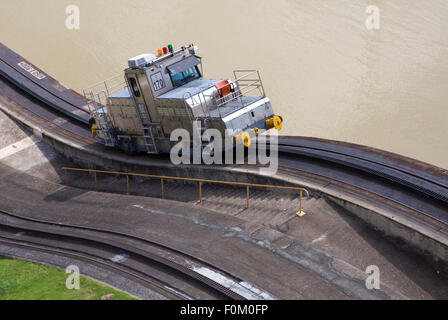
(301, 191)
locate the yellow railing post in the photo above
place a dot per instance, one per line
(96, 181)
(162, 178)
(128, 187)
(300, 213)
(247, 196)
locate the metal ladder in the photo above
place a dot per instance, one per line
(104, 127)
(204, 125)
(150, 142)
(108, 138)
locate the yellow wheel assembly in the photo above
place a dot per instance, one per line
(274, 122)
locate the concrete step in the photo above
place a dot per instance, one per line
(271, 206)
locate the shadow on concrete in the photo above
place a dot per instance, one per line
(413, 265)
(64, 194)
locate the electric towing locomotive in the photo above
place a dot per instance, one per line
(166, 92)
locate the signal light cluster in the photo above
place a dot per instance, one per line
(165, 50)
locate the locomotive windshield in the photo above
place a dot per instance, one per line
(181, 78)
(184, 71)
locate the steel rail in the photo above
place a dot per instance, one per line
(140, 252)
(38, 84)
(44, 100)
(402, 182)
(432, 217)
(299, 150)
(294, 141)
(97, 260)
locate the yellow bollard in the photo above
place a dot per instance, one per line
(300, 213)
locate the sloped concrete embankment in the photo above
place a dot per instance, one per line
(424, 239)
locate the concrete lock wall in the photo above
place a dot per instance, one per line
(418, 239)
(423, 244)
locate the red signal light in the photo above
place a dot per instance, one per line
(165, 50)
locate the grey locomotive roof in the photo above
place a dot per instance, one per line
(193, 87)
(123, 94)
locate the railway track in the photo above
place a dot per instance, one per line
(407, 183)
(42, 86)
(409, 190)
(165, 270)
(132, 275)
(419, 189)
(433, 185)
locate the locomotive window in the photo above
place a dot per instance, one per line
(181, 78)
(134, 87)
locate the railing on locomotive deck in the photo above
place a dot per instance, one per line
(301, 191)
(98, 93)
(240, 87)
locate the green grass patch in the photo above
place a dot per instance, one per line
(23, 280)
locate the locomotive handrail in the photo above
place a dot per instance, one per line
(105, 87)
(200, 181)
(103, 82)
(187, 108)
(244, 88)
